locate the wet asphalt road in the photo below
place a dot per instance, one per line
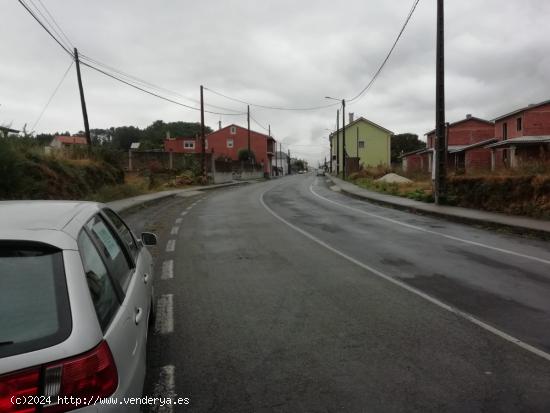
(281, 300)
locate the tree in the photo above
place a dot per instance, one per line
(245, 156)
(403, 143)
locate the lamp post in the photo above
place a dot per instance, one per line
(343, 134)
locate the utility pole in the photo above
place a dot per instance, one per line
(344, 139)
(337, 142)
(248, 120)
(83, 102)
(330, 139)
(440, 167)
(203, 139)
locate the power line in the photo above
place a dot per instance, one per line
(259, 124)
(156, 94)
(270, 107)
(415, 3)
(45, 28)
(57, 25)
(52, 96)
(150, 85)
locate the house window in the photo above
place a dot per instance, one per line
(361, 144)
(229, 143)
(188, 144)
(504, 131)
(518, 124)
(232, 130)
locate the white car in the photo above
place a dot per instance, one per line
(75, 299)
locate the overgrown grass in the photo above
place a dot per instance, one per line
(420, 189)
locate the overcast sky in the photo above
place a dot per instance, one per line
(280, 53)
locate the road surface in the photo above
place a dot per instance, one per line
(286, 296)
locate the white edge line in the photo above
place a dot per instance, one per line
(394, 221)
(413, 290)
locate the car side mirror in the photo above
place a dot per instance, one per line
(148, 238)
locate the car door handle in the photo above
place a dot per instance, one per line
(146, 278)
(139, 315)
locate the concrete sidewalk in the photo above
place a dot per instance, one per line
(467, 215)
(128, 203)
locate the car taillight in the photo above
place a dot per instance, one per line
(20, 386)
(68, 384)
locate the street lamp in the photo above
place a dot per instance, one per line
(343, 134)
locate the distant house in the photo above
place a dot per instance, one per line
(4, 131)
(227, 142)
(466, 141)
(366, 141)
(61, 142)
(523, 135)
(280, 163)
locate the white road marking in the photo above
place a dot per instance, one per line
(413, 290)
(174, 230)
(167, 270)
(179, 220)
(164, 317)
(164, 388)
(199, 200)
(428, 231)
(189, 207)
(184, 213)
(171, 245)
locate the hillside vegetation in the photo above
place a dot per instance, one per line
(27, 173)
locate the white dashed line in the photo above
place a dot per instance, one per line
(175, 230)
(167, 270)
(184, 213)
(164, 317)
(165, 388)
(178, 220)
(189, 207)
(171, 245)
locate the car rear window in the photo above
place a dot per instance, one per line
(34, 304)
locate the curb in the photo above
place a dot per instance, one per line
(136, 203)
(480, 222)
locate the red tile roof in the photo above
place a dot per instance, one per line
(71, 140)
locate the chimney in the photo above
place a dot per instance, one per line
(219, 125)
(351, 117)
(167, 134)
(468, 116)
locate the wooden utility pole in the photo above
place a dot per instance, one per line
(440, 164)
(337, 142)
(344, 139)
(330, 141)
(83, 102)
(203, 138)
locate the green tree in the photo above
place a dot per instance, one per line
(244, 155)
(124, 136)
(403, 143)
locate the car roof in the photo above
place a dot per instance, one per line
(58, 221)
